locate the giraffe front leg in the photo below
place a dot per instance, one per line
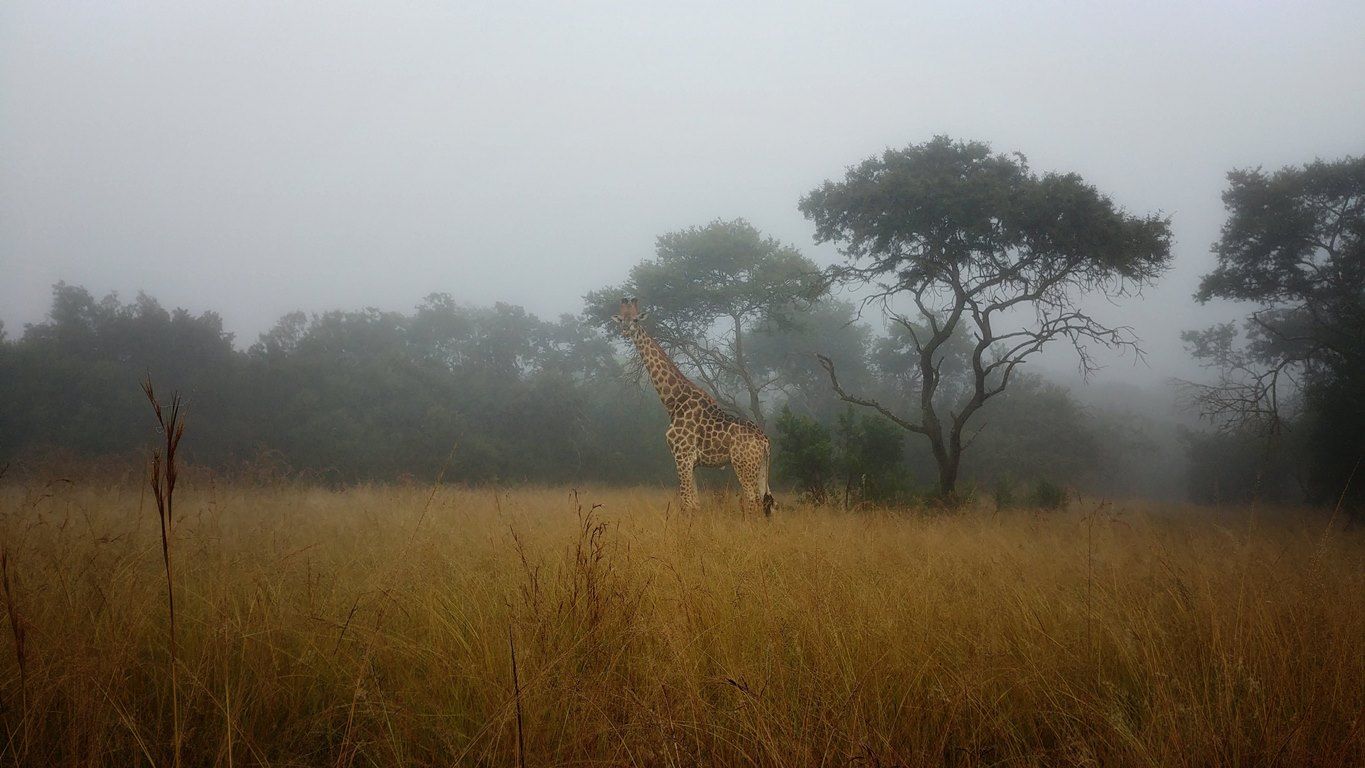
(687, 481)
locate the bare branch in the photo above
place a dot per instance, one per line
(828, 365)
(1243, 397)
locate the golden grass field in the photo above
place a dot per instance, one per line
(374, 627)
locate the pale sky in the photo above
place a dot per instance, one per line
(259, 157)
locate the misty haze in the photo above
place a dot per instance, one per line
(682, 384)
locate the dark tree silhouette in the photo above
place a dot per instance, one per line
(1294, 246)
(976, 239)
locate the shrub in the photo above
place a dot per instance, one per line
(1004, 495)
(871, 458)
(1047, 495)
(804, 455)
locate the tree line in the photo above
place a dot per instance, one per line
(898, 370)
(473, 394)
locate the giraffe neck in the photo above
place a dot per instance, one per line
(675, 390)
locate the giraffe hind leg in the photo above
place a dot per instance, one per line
(751, 470)
(687, 481)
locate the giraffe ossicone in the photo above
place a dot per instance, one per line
(700, 432)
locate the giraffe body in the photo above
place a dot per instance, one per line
(699, 431)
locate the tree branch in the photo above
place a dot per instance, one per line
(828, 365)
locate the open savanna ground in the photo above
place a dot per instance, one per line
(377, 626)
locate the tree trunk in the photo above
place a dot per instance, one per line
(947, 474)
(948, 456)
(946, 453)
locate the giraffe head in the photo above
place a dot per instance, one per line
(629, 315)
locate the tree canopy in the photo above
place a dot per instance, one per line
(707, 291)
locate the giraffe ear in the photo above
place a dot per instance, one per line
(641, 317)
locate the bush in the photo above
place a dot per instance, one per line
(804, 455)
(871, 457)
(1047, 495)
(863, 458)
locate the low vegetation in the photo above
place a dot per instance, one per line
(377, 626)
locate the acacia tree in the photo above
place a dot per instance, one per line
(979, 244)
(708, 291)
(1294, 246)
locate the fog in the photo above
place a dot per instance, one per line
(260, 158)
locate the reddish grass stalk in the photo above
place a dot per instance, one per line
(171, 423)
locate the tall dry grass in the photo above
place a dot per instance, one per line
(376, 626)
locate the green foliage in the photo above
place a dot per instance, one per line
(871, 457)
(1293, 235)
(916, 215)
(804, 455)
(1047, 495)
(72, 382)
(703, 274)
(862, 458)
(1038, 431)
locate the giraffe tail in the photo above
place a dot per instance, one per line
(763, 483)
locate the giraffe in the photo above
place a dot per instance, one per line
(699, 432)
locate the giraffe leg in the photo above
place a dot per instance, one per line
(687, 481)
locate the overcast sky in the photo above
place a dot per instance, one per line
(256, 158)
